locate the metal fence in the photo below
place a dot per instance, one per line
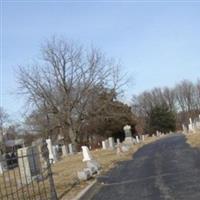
(26, 174)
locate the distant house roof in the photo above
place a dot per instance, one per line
(12, 143)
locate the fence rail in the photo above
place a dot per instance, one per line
(26, 174)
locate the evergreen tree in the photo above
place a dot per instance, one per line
(161, 118)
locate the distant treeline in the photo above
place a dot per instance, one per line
(183, 100)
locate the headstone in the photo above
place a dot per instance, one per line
(198, 125)
(143, 138)
(190, 127)
(184, 129)
(127, 130)
(38, 144)
(64, 150)
(111, 143)
(71, 149)
(87, 156)
(157, 133)
(55, 152)
(118, 141)
(52, 157)
(190, 120)
(128, 134)
(29, 163)
(137, 139)
(134, 141)
(107, 143)
(104, 145)
(1, 168)
(3, 165)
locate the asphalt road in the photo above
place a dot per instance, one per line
(166, 169)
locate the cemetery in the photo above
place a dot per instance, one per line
(71, 170)
(99, 93)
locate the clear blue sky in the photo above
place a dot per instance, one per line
(157, 43)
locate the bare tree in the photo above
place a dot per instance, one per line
(61, 86)
(3, 119)
(185, 95)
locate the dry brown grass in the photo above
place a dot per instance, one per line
(193, 140)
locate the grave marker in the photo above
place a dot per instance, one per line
(29, 163)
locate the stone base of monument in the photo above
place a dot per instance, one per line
(91, 170)
(93, 164)
(83, 175)
(125, 148)
(128, 140)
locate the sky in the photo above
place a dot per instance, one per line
(157, 42)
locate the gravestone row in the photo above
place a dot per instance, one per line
(193, 126)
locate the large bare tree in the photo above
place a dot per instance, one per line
(62, 84)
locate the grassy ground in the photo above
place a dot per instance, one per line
(193, 140)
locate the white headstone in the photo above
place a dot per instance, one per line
(190, 127)
(137, 139)
(104, 146)
(52, 157)
(87, 156)
(184, 128)
(55, 152)
(198, 125)
(64, 150)
(134, 141)
(3, 165)
(142, 137)
(118, 141)
(1, 168)
(127, 130)
(111, 143)
(157, 133)
(71, 149)
(29, 163)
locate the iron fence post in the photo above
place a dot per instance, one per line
(45, 154)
